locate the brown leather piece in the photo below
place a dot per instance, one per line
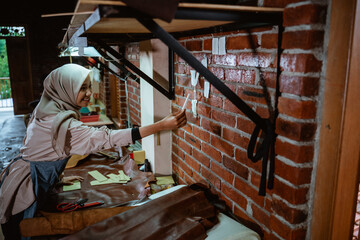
(111, 194)
(178, 215)
(66, 223)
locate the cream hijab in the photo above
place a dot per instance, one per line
(61, 88)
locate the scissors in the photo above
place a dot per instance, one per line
(81, 203)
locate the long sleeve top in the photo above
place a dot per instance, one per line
(16, 193)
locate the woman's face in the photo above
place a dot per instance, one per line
(84, 94)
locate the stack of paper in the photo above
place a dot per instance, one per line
(113, 178)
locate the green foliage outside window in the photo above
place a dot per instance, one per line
(4, 66)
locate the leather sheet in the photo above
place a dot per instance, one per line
(183, 214)
(111, 194)
(66, 223)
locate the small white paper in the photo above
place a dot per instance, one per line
(206, 89)
(222, 46)
(194, 77)
(184, 106)
(215, 46)
(193, 107)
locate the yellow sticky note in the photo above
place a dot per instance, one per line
(139, 156)
(98, 176)
(164, 180)
(75, 186)
(114, 177)
(123, 176)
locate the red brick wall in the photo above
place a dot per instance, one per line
(132, 53)
(212, 147)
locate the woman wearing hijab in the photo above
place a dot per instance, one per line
(54, 133)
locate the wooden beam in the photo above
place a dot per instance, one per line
(196, 5)
(66, 14)
(330, 158)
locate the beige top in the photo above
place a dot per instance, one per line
(17, 190)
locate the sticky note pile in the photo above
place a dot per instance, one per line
(75, 186)
(113, 178)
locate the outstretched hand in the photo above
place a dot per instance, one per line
(174, 120)
(171, 122)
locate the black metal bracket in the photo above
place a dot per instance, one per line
(115, 55)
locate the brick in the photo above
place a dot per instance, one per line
(294, 130)
(232, 87)
(211, 151)
(240, 76)
(210, 177)
(296, 153)
(200, 133)
(203, 110)
(192, 163)
(300, 63)
(211, 126)
(222, 146)
(183, 80)
(184, 146)
(269, 40)
(234, 196)
(223, 117)
(222, 172)
(263, 60)
(302, 86)
(208, 44)
(245, 125)
(214, 101)
(185, 167)
(251, 94)
(295, 175)
(304, 14)
(297, 108)
(235, 138)
(263, 112)
(241, 156)
(218, 72)
(241, 42)
(293, 195)
(270, 79)
(245, 188)
(303, 39)
(260, 215)
(285, 231)
(290, 214)
(195, 45)
(199, 156)
(180, 68)
(194, 142)
(236, 167)
(229, 106)
(227, 60)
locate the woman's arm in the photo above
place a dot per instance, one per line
(171, 122)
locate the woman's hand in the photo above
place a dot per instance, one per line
(173, 121)
(70, 180)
